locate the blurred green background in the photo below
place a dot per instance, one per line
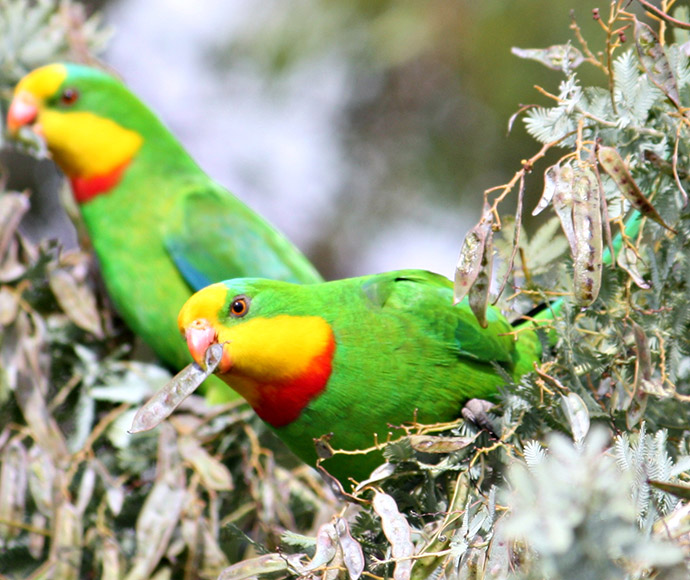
(366, 130)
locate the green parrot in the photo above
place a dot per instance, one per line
(352, 357)
(161, 228)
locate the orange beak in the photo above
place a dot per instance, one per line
(23, 111)
(200, 335)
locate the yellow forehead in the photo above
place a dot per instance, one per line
(204, 304)
(43, 82)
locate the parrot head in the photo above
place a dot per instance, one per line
(91, 123)
(276, 354)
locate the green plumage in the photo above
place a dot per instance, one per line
(402, 350)
(166, 229)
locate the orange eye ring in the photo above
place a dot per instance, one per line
(239, 307)
(69, 96)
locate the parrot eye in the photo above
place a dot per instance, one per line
(69, 96)
(239, 307)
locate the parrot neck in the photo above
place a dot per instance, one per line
(281, 402)
(293, 371)
(86, 188)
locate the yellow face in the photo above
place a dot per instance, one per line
(275, 347)
(82, 143)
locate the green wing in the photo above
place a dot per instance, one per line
(212, 236)
(427, 298)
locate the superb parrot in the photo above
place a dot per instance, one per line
(160, 226)
(353, 356)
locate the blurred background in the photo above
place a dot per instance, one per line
(366, 130)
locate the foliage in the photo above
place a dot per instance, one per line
(211, 494)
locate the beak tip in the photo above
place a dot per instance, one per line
(199, 337)
(22, 112)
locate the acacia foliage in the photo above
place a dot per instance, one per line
(587, 478)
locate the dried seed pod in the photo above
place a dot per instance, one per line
(353, 556)
(13, 486)
(654, 61)
(588, 253)
(13, 206)
(471, 257)
(613, 165)
(430, 444)
(168, 398)
(326, 547)
(576, 199)
(31, 401)
(41, 476)
(397, 532)
(37, 541)
(577, 414)
(76, 300)
(562, 199)
(556, 57)
(550, 182)
(157, 521)
(9, 305)
(214, 475)
(479, 292)
(255, 567)
(66, 548)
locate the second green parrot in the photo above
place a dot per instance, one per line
(160, 226)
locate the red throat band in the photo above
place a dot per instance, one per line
(86, 188)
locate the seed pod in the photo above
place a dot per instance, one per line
(576, 199)
(587, 257)
(397, 532)
(66, 549)
(429, 444)
(479, 292)
(471, 257)
(214, 475)
(562, 198)
(13, 206)
(255, 567)
(577, 414)
(556, 57)
(326, 547)
(353, 556)
(550, 181)
(613, 165)
(157, 521)
(12, 489)
(169, 397)
(76, 300)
